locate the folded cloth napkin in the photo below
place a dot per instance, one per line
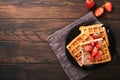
(57, 43)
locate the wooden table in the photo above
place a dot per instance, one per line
(24, 27)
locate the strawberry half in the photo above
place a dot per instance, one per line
(91, 58)
(88, 48)
(99, 11)
(98, 55)
(97, 45)
(92, 44)
(108, 6)
(94, 52)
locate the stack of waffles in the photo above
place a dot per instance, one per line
(91, 46)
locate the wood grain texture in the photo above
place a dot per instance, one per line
(39, 29)
(48, 9)
(40, 9)
(32, 72)
(26, 52)
(23, 30)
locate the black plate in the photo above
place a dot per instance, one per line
(75, 31)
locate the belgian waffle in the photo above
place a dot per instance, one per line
(76, 45)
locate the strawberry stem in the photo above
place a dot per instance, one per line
(102, 6)
(106, 1)
(91, 0)
(98, 33)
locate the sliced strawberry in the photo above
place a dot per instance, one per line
(97, 45)
(94, 52)
(91, 58)
(95, 36)
(99, 11)
(92, 44)
(98, 55)
(88, 48)
(108, 6)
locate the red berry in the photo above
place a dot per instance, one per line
(95, 36)
(108, 6)
(92, 44)
(94, 52)
(91, 58)
(98, 55)
(97, 45)
(90, 4)
(88, 48)
(99, 11)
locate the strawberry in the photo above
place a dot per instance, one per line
(88, 48)
(91, 58)
(99, 11)
(98, 55)
(92, 44)
(97, 45)
(90, 4)
(95, 36)
(94, 52)
(108, 6)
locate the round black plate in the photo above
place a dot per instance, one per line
(74, 32)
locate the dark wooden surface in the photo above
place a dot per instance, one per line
(24, 28)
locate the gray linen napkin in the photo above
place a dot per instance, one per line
(57, 43)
